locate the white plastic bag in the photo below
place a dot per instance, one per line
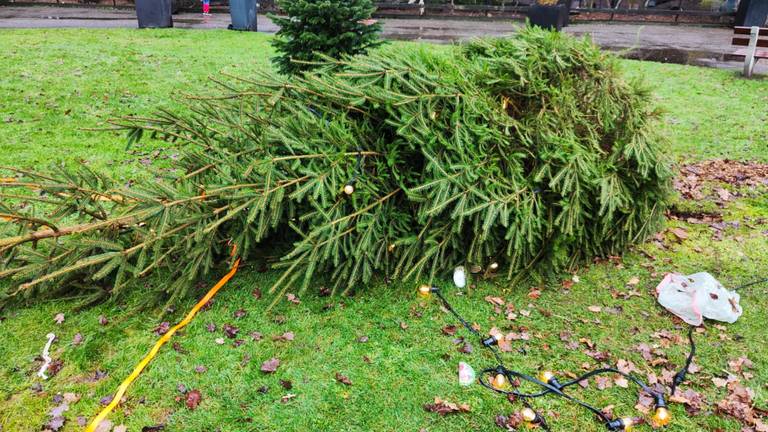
(698, 296)
(466, 374)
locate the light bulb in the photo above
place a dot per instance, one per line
(546, 376)
(425, 291)
(499, 382)
(529, 415)
(628, 423)
(661, 418)
(349, 189)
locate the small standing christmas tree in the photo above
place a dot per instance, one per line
(317, 28)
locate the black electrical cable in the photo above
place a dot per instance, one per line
(757, 282)
(680, 375)
(485, 342)
(549, 389)
(553, 386)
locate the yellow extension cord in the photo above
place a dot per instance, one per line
(145, 361)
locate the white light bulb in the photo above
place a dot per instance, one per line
(460, 277)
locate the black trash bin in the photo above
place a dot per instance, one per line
(243, 13)
(154, 13)
(554, 17)
(752, 13)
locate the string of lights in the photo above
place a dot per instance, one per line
(499, 379)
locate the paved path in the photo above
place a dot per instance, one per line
(679, 44)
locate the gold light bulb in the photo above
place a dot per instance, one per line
(546, 376)
(628, 423)
(425, 291)
(529, 415)
(499, 382)
(349, 189)
(661, 418)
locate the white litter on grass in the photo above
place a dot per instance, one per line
(460, 277)
(466, 374)
(46, 357)
(698, 296)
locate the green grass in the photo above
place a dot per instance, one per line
(57, 82)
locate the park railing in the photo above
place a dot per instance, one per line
(670, 11)
(673, 11)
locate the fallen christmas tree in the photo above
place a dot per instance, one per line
(533, 152)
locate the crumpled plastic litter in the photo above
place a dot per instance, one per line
(466, 374)
(46, 356)
(698, 296)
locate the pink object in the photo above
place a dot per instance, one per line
(206, 7)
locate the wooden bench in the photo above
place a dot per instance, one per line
(754, 39)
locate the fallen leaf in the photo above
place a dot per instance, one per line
(103, 320)
(270, 365)
(497, 301)
(511, 422)
(603, 382)
(104, 426)
(71, 398)
(680, 233)
(59, 318)
(633, 281)
(55, 367)
(621, 382)
(444, 407)
(595, 309)
(77, 339)
(193, 399)
(449, 330)
(343, 379)
(230, 331)
(285, 337)
(465, 348)
(120, 428)
(162, 328)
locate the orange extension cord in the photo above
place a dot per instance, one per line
(145, 361)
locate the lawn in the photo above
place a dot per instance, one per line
(389, 343)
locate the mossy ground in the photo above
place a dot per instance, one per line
(59, 82)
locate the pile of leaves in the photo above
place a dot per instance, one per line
(531, 152)
(695, 179)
